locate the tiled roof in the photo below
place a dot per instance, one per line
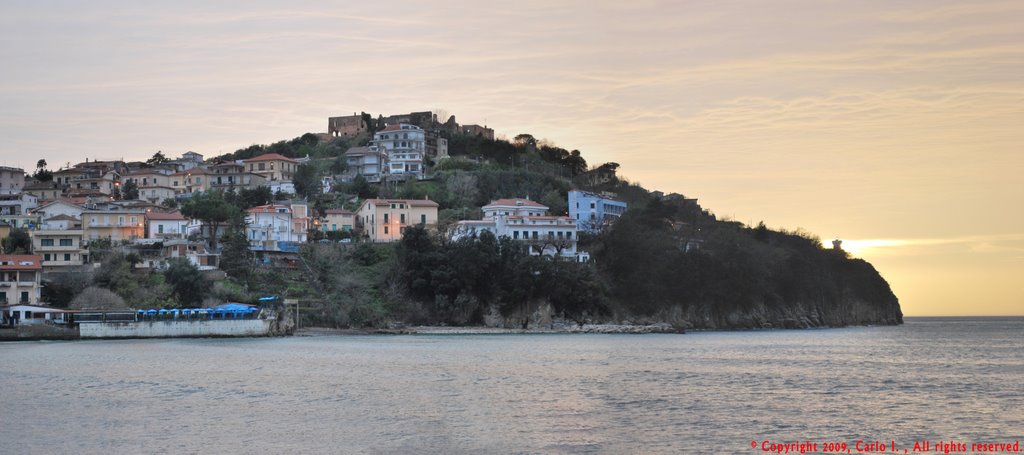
(270, 208)
(270, 157)
(338, 212)
(166, 216)
(61, 217)
(21, 262)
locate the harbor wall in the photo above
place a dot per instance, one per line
(168, 329)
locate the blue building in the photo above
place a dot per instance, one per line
(594, 212)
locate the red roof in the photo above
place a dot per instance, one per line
(21, 262)
(392, 128)
(270, 208)
(166, 216)
(516, 203)
(270, 157)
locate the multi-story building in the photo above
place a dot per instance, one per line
(59, 241)
(385, 220)
(166, 225)
(272, 166)
(113, 224)
(338, 220)
(232, 176)
(594, 212)
(190, 181)
(153, 184)
(59, 207)
(277, 227)
(405, 146)
(45, 191)
(526, 221)
(17, 203)
(368, 162)
(20, 280)
(12, 180)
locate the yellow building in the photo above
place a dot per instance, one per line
(338, 220)
(385, 220)
(272, 166)
(116, 225)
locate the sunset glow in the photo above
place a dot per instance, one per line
(893, 126)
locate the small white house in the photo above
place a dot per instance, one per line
(20, 314)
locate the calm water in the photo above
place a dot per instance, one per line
(696, 393)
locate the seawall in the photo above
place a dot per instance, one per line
(171, 329)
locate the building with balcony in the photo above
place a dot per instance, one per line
(114, 224)
(337, 220)
(187, 182)
(166, 225)
(17, 203)
(368, 162)
(405, 147)
(526, 221)
(385, 220)
(272, 166)
(232, 176)
(44, 191)
(12, 180)
(594, 212)
(273, 227)
(153, 184)
(20, 279)
(59, 241)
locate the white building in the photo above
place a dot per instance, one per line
(12, 180)
(527, 221)
(270, 225)
(405, 146)
(59, 240)
(166, 225)
(368, 162)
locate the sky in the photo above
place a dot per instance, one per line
(893, 125)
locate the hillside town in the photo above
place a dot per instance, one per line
(68, 219)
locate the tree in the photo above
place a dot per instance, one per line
(158, 158)
(212, 210)
(236, 259)
(307, 181)
(338, 166)
(360, 187)
(97, 298)
(249, 198)
(17, 242)
(188, 285)
(130, 191)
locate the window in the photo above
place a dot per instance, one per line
(46, 257)
(160, 229)
(401, 219)
(515, 235)
(46, 242)
(263, 166)
(120, 220)
(386, 217)
(67, 256)
(66, 242)
(535, 235)
(385, 229)
(591, 205)
(423, 218)
(568, 235)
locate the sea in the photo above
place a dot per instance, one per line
(931, 380)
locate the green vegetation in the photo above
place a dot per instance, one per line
(667, 259)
